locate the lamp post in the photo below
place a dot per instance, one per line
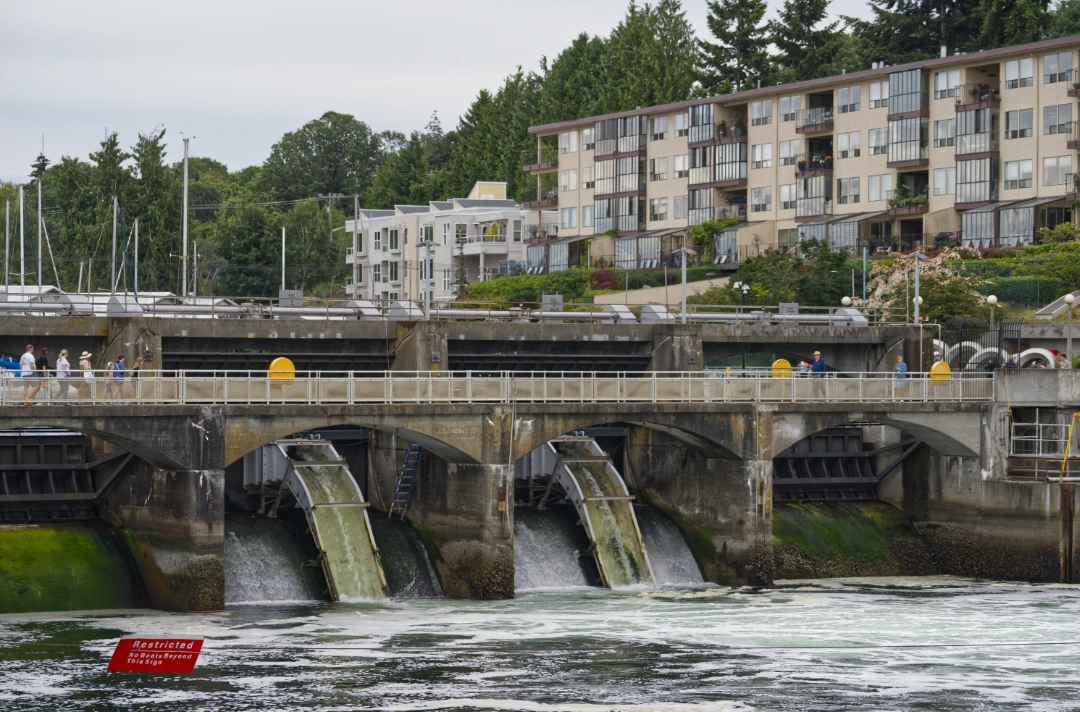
(992, 301)
(743, 288)
(1069, 299)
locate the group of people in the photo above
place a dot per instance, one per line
(63, 384)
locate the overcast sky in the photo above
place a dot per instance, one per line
(236, 74)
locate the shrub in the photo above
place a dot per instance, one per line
(604, 279)
(1026, 291)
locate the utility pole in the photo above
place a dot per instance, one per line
(22, 242)
(356, 246)
(7, 245)
(136, 255)
(283, 258)
(40, 220)
(112, 274)
(183, 250)
(195, 274)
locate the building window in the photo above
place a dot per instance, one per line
(605, 177)
(760, 200)
(682, 166)
(376, 273)
(761, 155)
(701, 126)
(849, 99)
(681, 207)
(908, 139)
(908, 91)
(658, 168)
(761, 112)
(682, 125)
(658, 128)
(586, 216)
(847, 190)
(629, 174)
(787, 197)
(730, 160)
(446, 233)
(880, 187)
(629, 213)
(879, 95)
(587, 180)
(1020, 73)
(517, 231)
(1057, 68)
(700, 171)
(947, 84)
(587, 142)
(393, 271)
(944, 133)
(446, 280)
(461, 232)
(377, 247)
(568, 180)
(1017, 174)
(568, 218)
(878, 140)
(392, 296)
(789, 108)
(427, 233)
(568, 142)
(658, 209)
(1018, 123)
(359, 242)
(847, 145)
(394, 242)
(944, 181)
(701, 204)
(976, 181)
(789, 152)
(1057, 119)
(1057, 170)
(604, 214)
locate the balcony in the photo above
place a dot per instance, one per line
(810, 209)
(912, 205)
(544, 232)
(813, 164)
(909, 154)
(733, 135)
(547, 198)
(700, 134)
(727, 212)
(486, 244)
(1074, 86)
(977, 145)
(981, 95)
(814, 120)
(546, 160)
(352, 257)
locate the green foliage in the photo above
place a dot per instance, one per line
(1064, 19)
(739, 56)
(1063, 232)
(528, 288)
(806, 45)
(1026, 291)
(910, 30)
(1058, 262)
(1011, 22)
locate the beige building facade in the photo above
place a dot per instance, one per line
(977, 148)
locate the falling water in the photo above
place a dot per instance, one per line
(548, 549)
(671, 559)
(405, 561)
(265, 562)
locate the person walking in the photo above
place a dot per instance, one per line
(135, 370)
(63, 377)
(899, 379)
(818, 370)
(87, 386)
(119, 368)
(43, 372)
(110, 383)
(28, 374)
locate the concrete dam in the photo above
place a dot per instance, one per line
(479, 484)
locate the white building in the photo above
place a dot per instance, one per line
(470, 239)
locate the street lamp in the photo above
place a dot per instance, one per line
(743, 288)
(1069, 299)
(846, 301)
(992, 301)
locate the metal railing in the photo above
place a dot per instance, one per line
(402, 387)
(818, 116)
(977, 93)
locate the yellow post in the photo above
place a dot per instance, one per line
(781, 368)
(282, 367)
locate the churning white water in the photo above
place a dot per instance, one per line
(669, 555)
(263, 562)
(547, 549)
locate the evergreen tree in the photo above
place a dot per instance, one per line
(738, 58)
(38, 167)
(806, 45)
(157, 195)
(910, 30)
(574, 84)
(1064, 19)
(400, 179)
(1011, 22)
(653, 58)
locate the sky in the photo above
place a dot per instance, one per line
(235, 75)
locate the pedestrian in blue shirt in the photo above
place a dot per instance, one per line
(899, 379)
(817, 370)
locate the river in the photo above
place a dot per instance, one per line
(932, 644)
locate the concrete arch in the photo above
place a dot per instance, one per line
(244, 434)
(717, 436)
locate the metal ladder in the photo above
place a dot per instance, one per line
(406, 480)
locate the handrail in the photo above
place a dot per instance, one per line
(399, 387)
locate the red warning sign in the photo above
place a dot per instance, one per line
(160, 655)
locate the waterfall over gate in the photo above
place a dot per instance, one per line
(264, 561)
(549, 548)
(669, 555)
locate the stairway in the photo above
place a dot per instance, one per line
(406, 480)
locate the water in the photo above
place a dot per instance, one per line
(713, 648)
(264, 561)
(669, 555)
(548, 549)
(405, 561)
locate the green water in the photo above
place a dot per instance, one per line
(63, 567)
(342, 533)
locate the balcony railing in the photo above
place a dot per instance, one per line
(543, 198)
(902, 151)
(701, 174)
(1066, 127)
(980, 93)
(699, 134)
(546, 159)
(813, 162)
(1066, 75)
(819, 116)
(726, 212)
(734, 133)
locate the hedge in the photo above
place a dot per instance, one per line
(1026, 291)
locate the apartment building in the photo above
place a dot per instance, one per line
(978, 147)
(415, 250)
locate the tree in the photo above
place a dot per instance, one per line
(652, 54)
(575, 83)
(156, 202)
(248, 240)
(911, 30)
(1064, 19)
(333, 154)
(739, 56)
(400, 180)
(946, 292)
(1011, 22)
(805, 44)
(1060, 262)
(825, 279)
